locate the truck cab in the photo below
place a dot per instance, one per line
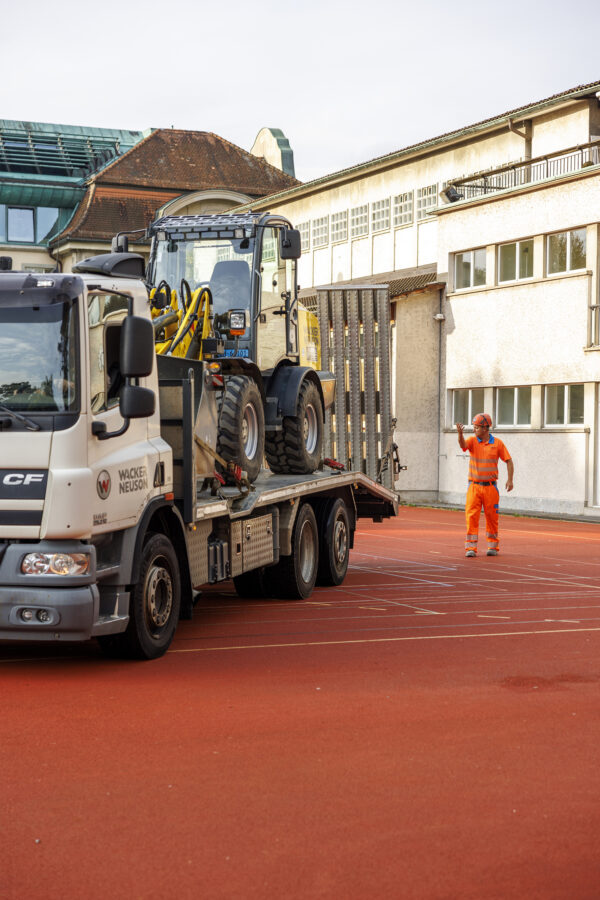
(77, 408)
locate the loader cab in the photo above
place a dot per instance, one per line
(249, 265)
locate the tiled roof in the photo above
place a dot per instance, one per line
(104, 211)
(126, 194)
(194, 161)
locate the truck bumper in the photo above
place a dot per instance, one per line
(31, 614)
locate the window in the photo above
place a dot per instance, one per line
(513, 406)
(359, 221)
(469, 269)
(105, 316)
(466, 403)
(320, 231)
(27, 225)
(515, 261)
(380, 215)
(403, 209)
(339, 226)
(304, 230)
(426, 200)
(566, 251)
(564, 404)
(20, 225)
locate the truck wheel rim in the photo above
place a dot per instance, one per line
(311, 429)
(250, 431)
(340, 541)
(159, 596)
(307, 553)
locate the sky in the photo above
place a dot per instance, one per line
(344, 82)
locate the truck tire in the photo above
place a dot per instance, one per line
(297, 448)
(154, 605)
(241, 435)
(334, 545)
(250, 585)
(294, 577)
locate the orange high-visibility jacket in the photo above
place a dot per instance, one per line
(483, 465)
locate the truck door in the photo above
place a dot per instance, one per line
(122, 466)
(276, 282)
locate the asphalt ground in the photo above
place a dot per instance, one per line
(430, 729)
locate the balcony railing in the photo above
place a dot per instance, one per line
(552, 165)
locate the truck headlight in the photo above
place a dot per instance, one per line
(55, 564)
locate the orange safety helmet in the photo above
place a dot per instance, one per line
(482, 419)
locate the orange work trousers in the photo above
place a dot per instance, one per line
(482, 496)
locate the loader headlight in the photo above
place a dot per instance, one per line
(237, 322)
(55, 564)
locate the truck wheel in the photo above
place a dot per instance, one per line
(294, 577)
(250, 585)
(241, 437)
(334, 549)
(154, 605)
(297, 449)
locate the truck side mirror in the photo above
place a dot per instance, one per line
(136, 402)
(289, 243)
(137, 347)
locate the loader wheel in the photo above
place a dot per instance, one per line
(153, 607)
(241, 436)
(335, 539)
(297, 448)
(294, 577)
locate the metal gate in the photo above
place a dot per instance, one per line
(356, 346)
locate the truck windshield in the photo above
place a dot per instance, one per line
(38, 352)
(224, 264)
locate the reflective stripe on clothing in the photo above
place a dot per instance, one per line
(483, 463)
(478, 496)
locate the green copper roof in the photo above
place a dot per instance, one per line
(60, 151)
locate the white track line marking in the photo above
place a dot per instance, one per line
(388, 640)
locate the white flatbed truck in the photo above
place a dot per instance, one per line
(110, 517)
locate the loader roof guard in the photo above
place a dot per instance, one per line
(225, 224)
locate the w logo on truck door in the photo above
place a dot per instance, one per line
(103, 484)
(23, 484)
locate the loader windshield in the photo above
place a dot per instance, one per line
(38, 353)
(223, 264)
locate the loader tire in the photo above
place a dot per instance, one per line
(297, 448)
(241, 433)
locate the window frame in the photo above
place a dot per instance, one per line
(566, 406)
(304, 229)
(424, 194)
(403, 205)
(336, 220)
(471, 286)
(471, 412)
(515, 423)
(569, 232)
(320, 232)
(381, 215)
(359, 217)
(516, 244)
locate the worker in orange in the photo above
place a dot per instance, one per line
(485, 450)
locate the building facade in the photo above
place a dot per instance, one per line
(504, 215)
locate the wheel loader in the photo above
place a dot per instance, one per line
(223, 288)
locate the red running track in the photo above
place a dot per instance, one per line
(430, 729)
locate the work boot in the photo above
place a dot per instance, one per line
(471, 553)
(492, 552)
